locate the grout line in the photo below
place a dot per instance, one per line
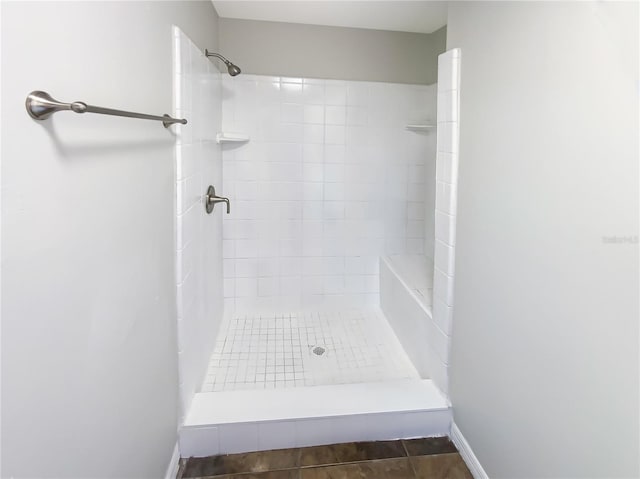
(404, 445)
(321, 466)
(361, 461)
(355, 341)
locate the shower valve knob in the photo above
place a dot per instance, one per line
(211, 199)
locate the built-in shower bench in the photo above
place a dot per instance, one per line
(406, 294)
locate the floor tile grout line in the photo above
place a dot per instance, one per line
(347, 463)
(298, 468)
(297, 452)
(356, 360)
(404, 445)
(309, 466)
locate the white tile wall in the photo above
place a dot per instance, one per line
(198, 236)
(445, 213)
(329, 182)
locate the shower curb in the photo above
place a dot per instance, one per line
(244, 421)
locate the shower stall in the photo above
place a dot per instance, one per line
(305, 314)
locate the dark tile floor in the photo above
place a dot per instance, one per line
(428, 458)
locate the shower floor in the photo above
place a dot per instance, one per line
(305, 349)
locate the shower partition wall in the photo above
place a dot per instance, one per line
(330, 181)
(197, 97)
(446, 211)
(422, 317)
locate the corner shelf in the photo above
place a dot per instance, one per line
(419, 127)
(230, 137)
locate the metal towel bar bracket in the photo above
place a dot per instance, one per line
(40, 106)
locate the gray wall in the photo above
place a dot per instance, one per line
(544, 373)
(89, 355)
(287, 49)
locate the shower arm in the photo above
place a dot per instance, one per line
(207, 53)
(233, 70)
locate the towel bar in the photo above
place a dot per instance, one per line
(40, 106)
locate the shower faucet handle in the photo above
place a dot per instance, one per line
(211, 199)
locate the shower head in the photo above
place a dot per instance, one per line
(231, 68)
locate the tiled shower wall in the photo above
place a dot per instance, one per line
(445, 213)
(329, 181)
(197, 97)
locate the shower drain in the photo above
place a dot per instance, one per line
(318, 350)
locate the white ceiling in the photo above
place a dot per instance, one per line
(403, 16)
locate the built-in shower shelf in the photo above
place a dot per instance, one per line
(419, 127)
(230, 137)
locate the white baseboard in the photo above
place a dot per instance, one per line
(467, 454)
(174, 464)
